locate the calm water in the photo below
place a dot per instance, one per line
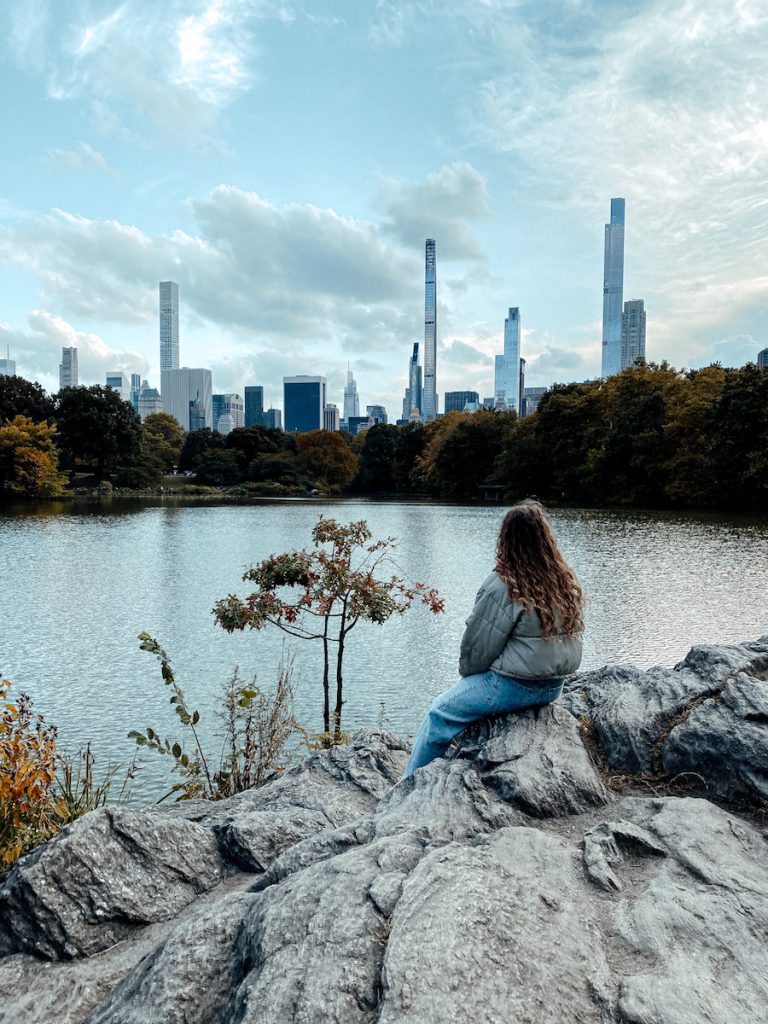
(80, 582)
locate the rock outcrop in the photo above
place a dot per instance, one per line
(602, 860)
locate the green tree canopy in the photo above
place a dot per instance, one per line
(20, 397)
(377, 459)
(163, 438)
(250, 442)
(196, 443)
(218, 467)
(97, 428)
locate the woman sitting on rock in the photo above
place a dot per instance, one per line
(523, 636)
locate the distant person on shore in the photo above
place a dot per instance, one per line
(523, 636)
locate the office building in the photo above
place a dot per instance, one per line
(429, 394)
(456, 400)
(197, 420)
(119, 381)
(351, 399)
(148, 401)
(507, 369)
(521, 392)
(68, 368)
(273, 419)
(8, 365)
(303, 403)
(376, 414)
(228, 405)
(762, 359)
(169, 326)
(531, 399)
(357, 423)
(632, 333)
(225, 423)
(331, 418)
(254, 406)
(613, 289)
(412, 401)
(180, 388)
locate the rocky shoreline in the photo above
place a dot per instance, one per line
(602, 860)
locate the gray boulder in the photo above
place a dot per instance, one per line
(103, 877)
(536, 760)
(706, 719)
(505, 882)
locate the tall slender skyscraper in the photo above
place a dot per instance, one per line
(413, 393)
(351, 399)
(632, 332)
(430, 333)
(169, 326)
(68, 368)
(507, 376)
(613, 289)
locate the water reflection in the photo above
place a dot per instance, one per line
(79, 582)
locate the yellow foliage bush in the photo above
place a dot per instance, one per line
(29, 810)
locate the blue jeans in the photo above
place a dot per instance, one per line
(472, 698)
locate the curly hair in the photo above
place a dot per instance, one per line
(536, 574)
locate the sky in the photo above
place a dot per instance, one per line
(285, 162)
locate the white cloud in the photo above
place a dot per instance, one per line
(163, 69)
(667, 106)
(729, 352)
(296, 273)
(38, 350)
(442, 207)
(84, 159)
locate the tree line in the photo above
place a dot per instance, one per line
(651, 436)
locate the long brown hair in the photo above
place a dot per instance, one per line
(536, 574)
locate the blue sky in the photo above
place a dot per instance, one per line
(284, 163)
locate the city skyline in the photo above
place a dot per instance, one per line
(104, 192)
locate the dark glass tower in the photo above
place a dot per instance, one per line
(429, 410)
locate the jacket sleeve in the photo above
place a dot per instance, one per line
(487, 630)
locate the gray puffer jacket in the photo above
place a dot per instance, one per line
(502, 636)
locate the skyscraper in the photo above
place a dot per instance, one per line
(762, 359)
(632, 332)
(429, 398)
(376, 414)
(227, 405)
(331, 417)
(531, 399)
(613, 289)
(521, 392)
(413, 392)
(180, 388)
(304, 403)
(254, 406)
(456, 400)
(351, 399)
(148, 401)
(507, 376)
(68, 368)
(169, 326)
(118, 381)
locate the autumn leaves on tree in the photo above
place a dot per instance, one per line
(323, 594)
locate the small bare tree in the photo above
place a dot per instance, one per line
(330, 589)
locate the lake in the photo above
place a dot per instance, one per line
(80, 581)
